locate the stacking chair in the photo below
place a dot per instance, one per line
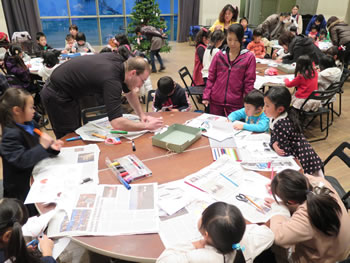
(93, 113)
(336, 85)
(192, 89)
(344, 77)
(150, 96)
(325, 97)
(339, 152)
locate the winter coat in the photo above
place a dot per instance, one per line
(327, 77)
(229, 81)
(312, 21)
(45, 72)
(154, 36)
(22, 74)
(273, 27)
(339, 32)
(302, 45)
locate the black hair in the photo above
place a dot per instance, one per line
(13, 214)
(50, 59)
(285, 38)
(327, 62)
(234, 11)
(122, 39)
(224, 224)
(322, 208)
(105, 50)
(255, 98)
(216, 37)
(332, 51)
(69, 37)
(257, 32)
(319, 18)
(137, 30)
(285, 14)
(313, 26)
(14, 52)
(202, 33)
(80, 36)
(331, 20)
(304, 66)
(244, 18)
(238, 30)
(323, 31)
(165, 85)
(293, 29)
(73, 26)
(280, 97)
(124, 51)
(39, 35)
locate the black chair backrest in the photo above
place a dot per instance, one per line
(339, 152)
(150, 97)
(93, 113)
(344, 76)
(183, 72)
(321, 95)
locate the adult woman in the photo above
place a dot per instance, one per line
(339, 32)
(312, 219)
(298, 46)
(227, 17)
(296, 19)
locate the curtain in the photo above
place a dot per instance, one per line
(22, 15)
(188, 16)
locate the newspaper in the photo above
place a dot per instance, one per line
(107, 210)
(260, 81)
(73, 166)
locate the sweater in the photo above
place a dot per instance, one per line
(79, 48)
(229, 81)
(310, 244)
(256, 123)
(258, 49)
(304, 86)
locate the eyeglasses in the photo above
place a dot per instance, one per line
(142, 80)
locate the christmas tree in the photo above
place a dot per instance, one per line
(146, 12)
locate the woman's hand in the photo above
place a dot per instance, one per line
(205, 102)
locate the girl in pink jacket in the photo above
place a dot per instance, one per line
(232, 75)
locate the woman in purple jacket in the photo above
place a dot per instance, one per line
(232, 75)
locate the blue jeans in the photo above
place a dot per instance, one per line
(156, 53)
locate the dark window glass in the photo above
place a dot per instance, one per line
(110, 27)
(52, 8)
(55, 31)
(89, 27)
(111, 7)
(82, 7)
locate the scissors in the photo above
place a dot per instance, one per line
(241, 197)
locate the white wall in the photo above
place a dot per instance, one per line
(333, 8)
(209, 10)
(3, 27)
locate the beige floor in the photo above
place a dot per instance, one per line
(183, 55)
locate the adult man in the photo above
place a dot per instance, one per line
(275, 25)
(107, 75)
(319, 21)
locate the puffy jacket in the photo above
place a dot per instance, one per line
(302, 45)
(339, 32)
(229, 81)
(312, 21)
(273, 27)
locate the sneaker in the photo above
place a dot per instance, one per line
(162, 68)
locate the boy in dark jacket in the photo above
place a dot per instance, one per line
(41, 44)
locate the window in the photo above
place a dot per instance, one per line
(98, 19)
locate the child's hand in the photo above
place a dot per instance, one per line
(64, 51)
(174, 110)
(199, 244)
(74, 50)
(46, 246)
(274, 54)
(86, 49)
(268, 201)
(205, 102)
(57, 145)
(29, 65)
(45, 140)
(277, 149)
(238, 125)
(268, 187)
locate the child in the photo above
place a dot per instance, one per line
(306, 82)
(232, 75)
(41, 45)
(257, 46)
(333, 51)
(222, 227)
(81, 45)
(252, 113)
(170, 96)
(69, 48)
(202, 39)
(248, 34)
(216, 40)
(294, 30)
(312, 220)
(286, 134)
(49, 64)
(73, 30)
(14, 65)
(13, 215)
(323, 37)
(21, 148)
(329, 73)
(313, 33)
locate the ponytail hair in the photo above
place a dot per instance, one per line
(225, 226)
(13, 214)
(322, 208)
(215, 38)
(280, 97)
(14, 52)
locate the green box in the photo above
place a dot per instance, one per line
(177, 138)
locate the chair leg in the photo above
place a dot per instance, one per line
(195, 104)
(326, 128)
(339, 108)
